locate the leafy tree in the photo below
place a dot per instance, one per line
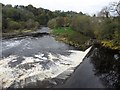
(60, 22)
(82, 24)
(13, 25)
(67, 21)
(52, 23)
(30, 24)
(109, 27)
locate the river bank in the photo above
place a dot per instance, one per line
(71, 37)
(105, 57)
(80, 41)
(107, 65)
(24, 33)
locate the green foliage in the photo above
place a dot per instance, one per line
(52, 23)
(71, 37)
(96, 26)
(63, 31)
(30, 24)
(60, 22)
(109, 27)
(67, 21)
(14, 25)
(29, 17)
(82, 24)
(42, 19)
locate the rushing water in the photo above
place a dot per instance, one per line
(27, 60)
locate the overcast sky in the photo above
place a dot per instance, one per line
(86, 6)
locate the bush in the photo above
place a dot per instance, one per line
(82, 24)
(60, 22)
(52, 23)
(31, 24)
(109, 29)
(14, 25)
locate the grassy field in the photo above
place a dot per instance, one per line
(71, 37)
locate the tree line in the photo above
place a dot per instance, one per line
(105, 26)
(27, 17)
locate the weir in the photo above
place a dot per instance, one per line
(38, 68)
(34, 61)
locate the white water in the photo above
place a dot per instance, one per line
(57, 64)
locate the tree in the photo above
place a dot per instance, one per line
(82, 24)
(67, 21)
(60, 22)
(104, 12)
(109, 27)
(30, 24)
(52, 23)
(118, 8)
(13, 25)
(96, 26)
(115, 8)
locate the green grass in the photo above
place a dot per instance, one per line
(71, 37)
(63, 31)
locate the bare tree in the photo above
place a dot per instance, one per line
(110, 10)
(104, 12)
(118, 8)
(114, 7)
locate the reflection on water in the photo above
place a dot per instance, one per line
(107, 66)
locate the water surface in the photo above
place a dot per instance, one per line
(29, 60)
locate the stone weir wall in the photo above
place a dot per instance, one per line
(34, 34)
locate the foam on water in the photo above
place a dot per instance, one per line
(40, 67)
(9, 44)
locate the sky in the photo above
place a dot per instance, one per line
(86, 6)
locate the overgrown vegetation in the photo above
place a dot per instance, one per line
(77, 29)
(21, 17)
(107, 66)
(104, 28)
(71, 37)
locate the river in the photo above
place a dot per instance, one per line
(39, 61)
(31, 61)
